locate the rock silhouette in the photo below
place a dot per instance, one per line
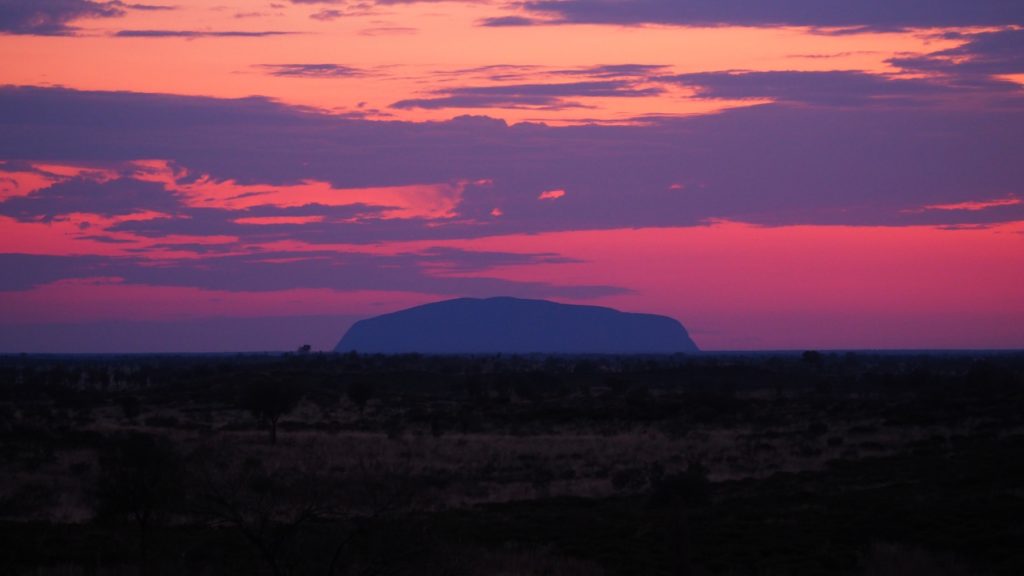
(515, 326)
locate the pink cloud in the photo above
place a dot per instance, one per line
(437, 200)
(551, 194)
(277, 220)
(976, 206)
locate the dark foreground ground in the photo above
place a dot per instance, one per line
(852, 464)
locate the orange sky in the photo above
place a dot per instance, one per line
(407, 50)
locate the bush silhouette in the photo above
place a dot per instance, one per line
(359, 393)
(270, 399)
(139, 479)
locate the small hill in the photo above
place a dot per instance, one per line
(515, 326)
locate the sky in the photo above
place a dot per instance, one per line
(246, 175)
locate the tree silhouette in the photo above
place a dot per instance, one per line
(269, 399)
(139, 478)
(811, 357)
(267, 503)
(359, 393)
(273, 506)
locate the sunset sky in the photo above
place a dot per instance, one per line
(237, 175)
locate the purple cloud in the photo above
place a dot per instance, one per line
(198, 33)
(431, 271)
(984, 54)
(507, 21)
(28, 270)
(311, 70)
(519, 72)
(616, 71)
(835, 88)
(144, 7)
(526, 95)
(327, 15)
(52, 17)
(863, 14)
(785, 163)
(342, 220)
(83, 195)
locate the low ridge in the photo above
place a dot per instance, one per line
(515, 326)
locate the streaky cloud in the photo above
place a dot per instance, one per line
(145, 7)
(860, 16)
(616, 71)
(555, 95)
(507, 21)
(847, 87)
(984, 54)
(327, 15)
(837, 87)
(312, 70)
(437, 271)
(199, 33)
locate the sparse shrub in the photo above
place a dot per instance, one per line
(80, 469)
(268, 400)
(541, 478)
(395, 428)
(811, 358)
(629, 480)
(616, 385)
(894, 560)
(359, 393)
(690, 489)
(267, 505)
(638, 396)
(139, 479)
(817, 429)
(437, 426)
(161, 422)
(27, 499)
(130, 407)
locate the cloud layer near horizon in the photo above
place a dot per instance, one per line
(239, 179)
(870, 164)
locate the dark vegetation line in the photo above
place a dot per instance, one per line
(813, 463)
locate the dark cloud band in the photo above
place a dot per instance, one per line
(863, 14)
